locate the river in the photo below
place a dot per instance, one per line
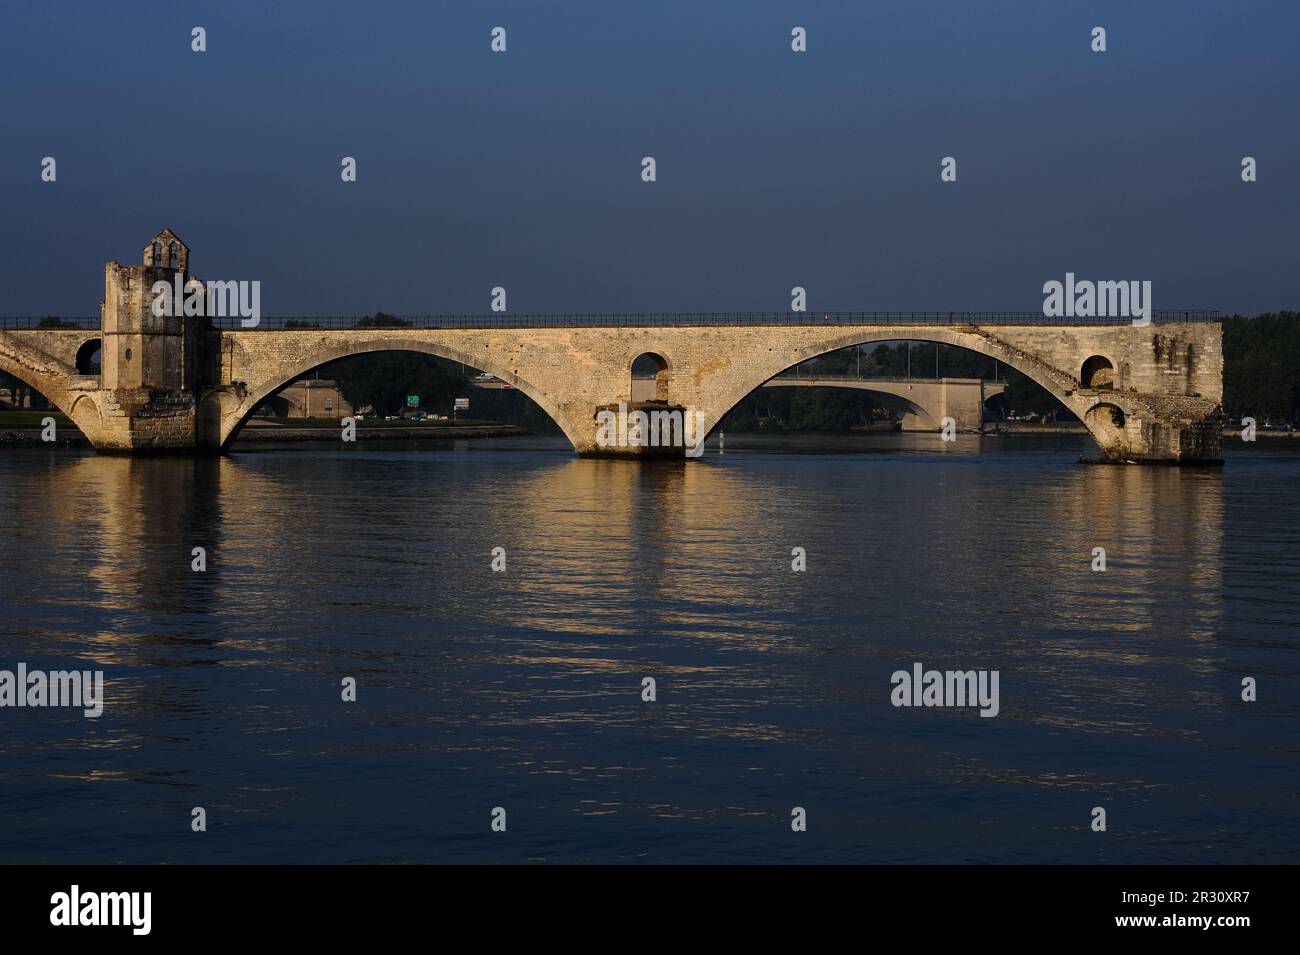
(522, 689)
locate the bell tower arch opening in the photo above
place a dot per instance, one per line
(167, 251)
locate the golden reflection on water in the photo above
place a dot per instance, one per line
(695, 551)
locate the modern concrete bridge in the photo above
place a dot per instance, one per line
(189, 383)
(922, 403)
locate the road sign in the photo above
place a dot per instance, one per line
(412, 401)
(462, 404)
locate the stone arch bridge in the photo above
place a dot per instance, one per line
(1148, 393)
(174, 379)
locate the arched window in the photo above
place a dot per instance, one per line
(88, 356)
(157, 254)
(649, 378)
(174, 256)
(1098, 373)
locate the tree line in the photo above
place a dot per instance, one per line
(1261, 366)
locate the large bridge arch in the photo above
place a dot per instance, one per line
(220, 418)
(1111, 440)
(80, 407)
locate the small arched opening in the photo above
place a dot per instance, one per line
(1098, 374)
(649, 378)
(88, 357)
(1106, 422)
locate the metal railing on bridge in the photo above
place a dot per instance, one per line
(1160, 316)
(47, 321)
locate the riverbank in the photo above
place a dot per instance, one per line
(64, 437)
(67, 435)
(379, 432)
(1236, 433)
(1025, 427)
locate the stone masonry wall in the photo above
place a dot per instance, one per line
(1168, 377)
(571, 372)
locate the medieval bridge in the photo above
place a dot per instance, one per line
(179, 383)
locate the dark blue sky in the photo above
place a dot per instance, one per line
(775, 169)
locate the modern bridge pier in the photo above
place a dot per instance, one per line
(186, 384)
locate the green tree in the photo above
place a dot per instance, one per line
(1261, 366)
(383, 320)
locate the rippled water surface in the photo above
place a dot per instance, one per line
(522, 689)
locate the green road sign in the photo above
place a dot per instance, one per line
(412, 401)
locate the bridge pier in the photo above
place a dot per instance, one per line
(1138, 429)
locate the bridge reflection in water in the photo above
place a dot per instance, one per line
(601, 548)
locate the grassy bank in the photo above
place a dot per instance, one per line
(336, 423)
(32, 419)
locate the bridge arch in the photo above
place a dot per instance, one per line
(905, 407)
(85, 415)
(283, 407)
(1106, 423)
(1060, 384)
(220, 418)
(79, 407)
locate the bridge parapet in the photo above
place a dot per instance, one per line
(1160, 316)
